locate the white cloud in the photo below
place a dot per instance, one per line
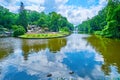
(102, 1)
(61, 1)
(13, 5)
(77, 14)
(13, 8)
(37, 1)
(35, 8)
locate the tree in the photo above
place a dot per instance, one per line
(51, 21)
(23, 21)
(112, 29)
(107, 22)
(6, 18)
(33, 16)
(97, 23)
(42, 22)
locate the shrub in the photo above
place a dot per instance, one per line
(19, 31)
(111, 29)
(98, 32)
(64, 29)
(14, 27)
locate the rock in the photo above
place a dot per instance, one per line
(71, 72)
(49, 75)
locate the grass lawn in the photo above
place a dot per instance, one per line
(44, 35)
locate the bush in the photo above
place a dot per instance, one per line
(14, 27)
(64, 29)
(111, 29)
(19, 31)
(98, 32)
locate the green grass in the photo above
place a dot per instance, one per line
(44, 35)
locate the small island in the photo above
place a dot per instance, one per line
(44, 35)
(37, 32)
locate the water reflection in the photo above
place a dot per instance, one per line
(30, 46)
(82, 59)
(35, 59)
(8, 45)
(109, 48)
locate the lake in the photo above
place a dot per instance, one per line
(76, 57)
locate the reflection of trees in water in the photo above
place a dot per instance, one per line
(5, 47)
(54, 45)
(4, 52)
(32, 45)
(109, 48)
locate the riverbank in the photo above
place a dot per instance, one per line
(44, 35)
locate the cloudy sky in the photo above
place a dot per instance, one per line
(76, 11)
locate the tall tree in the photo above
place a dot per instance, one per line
(23, 21)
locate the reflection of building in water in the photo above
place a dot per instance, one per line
(110, 50)
(53, 45)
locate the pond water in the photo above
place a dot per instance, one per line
(76, 57)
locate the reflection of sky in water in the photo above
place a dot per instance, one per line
(77, 56)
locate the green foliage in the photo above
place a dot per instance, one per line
(106, 23)
(19, 30)
(97, 23)
(33, 16)
(7, 18)
(98, 32)
(42, 22)
(22, 20)
(52, 21)
(14, 27)
(112, 29)
(65, 29)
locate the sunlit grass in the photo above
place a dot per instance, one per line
(44, 35)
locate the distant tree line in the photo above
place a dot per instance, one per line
(106, 23)
(18, 22)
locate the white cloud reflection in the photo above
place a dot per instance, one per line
(44, 62)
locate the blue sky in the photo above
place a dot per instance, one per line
(76, 11)
(83, 3)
